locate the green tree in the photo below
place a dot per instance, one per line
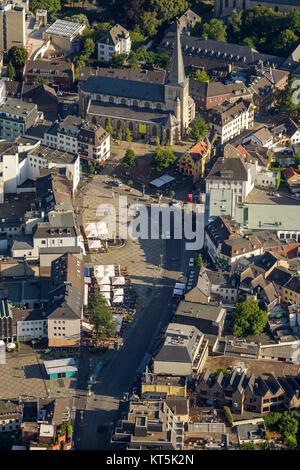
(109, 127)
(136, 37)
(18, 56)
(40, 80)
(285, 100)
(272, 421)
(248, 319)
(168, 9)
(297, 159)
(101, 316)
(201, 76)
(249, 42)
(49, 5)
(199, 128)
(248, 446)
(80, 18)
(11, 72)
(130, 161)
(163, 158)
(117, 60)
(196, 29)
(88, 47)
(200, 261)
(285, 43)
(128, 135)
(120, 135)
(291, 442)
(288, 425)
(215, 30)
(149, 23)
(133, 61)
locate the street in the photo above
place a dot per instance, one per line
(117, 378)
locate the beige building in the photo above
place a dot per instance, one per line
(65, 35)
(12, 26)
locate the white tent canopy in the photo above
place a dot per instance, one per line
(102, 228)
(118, 292)
(105, 288)
(161, 181)
(118, 281)
(96, 230)
(106, 295)
(94, 244)
(90, 230)
(119, 299)
(103, 280)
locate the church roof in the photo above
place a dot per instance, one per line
(124, 88)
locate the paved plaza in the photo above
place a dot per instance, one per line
(25, 375)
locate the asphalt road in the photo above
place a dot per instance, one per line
(117, 377)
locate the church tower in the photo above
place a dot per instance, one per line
(177, 86)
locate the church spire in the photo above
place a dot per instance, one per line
(177, 75)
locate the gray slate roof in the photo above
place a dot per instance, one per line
(124, 88)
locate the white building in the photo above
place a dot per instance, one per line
(24, 160)
(117, 40)
(229, 120)
(232, 173)
(76, 136)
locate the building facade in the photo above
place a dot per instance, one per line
(115, 41)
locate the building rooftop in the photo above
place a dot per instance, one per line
(124, 88)
(17, 107)
(211, 312)
(64, 29)
(230, 169)
(53, 155)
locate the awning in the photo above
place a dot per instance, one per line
(103, 280)
(105, 288)
(161, 181)
(93, 244)
(118, 281)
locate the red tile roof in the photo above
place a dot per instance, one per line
(201, 148)
(289, 172)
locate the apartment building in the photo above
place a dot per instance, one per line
(115, 41)
(232, 173)
(58, 73)
(184, 351)
(25, 160)
(209, 94)
(10, 416)
(91, 142)
(193, 162)
(216, 232)
(16, 117)
(229, 120)
(12, 26)
(262, 394)
(149, 425)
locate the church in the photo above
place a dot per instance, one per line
(148, 110)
